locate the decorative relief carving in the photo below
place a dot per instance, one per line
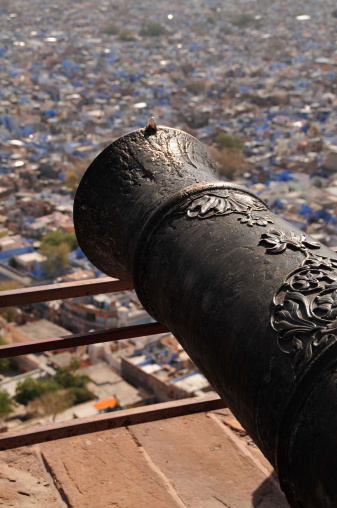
(278, 241)
(304, 311)
(227, 202)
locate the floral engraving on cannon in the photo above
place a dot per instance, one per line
(277, 241)
(227, 202)
(304, 313)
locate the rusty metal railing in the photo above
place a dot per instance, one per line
(98, 423)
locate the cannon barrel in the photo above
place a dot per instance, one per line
(251, 298)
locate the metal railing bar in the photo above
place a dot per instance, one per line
(108, 421)
(37, 294)
(81, 339)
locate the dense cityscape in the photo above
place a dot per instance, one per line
(255, 81)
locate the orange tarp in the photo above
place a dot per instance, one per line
(104, 404)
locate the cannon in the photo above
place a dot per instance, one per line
(251, 298)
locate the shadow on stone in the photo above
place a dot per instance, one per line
(267, 495)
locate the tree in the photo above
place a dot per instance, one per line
(4, 362)
(12, 262)
(126, 36)
(58, 237)
(57, 258)
(45, 396)
(80, 395)
(30, 389)
(226, 141)
(197, 86)
(5, 404)
(56, 247)
(64, 380)
(52, 403)
(67, 379)
(230, 162)
(243, 20)
(153, 29)
(75, 383)
(74, 363)
(72, 180)
(111, 29)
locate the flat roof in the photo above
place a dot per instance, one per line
(31, 256)
(42, 329)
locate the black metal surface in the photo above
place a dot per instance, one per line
(251, 298)
(108, 198)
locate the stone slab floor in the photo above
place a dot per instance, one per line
(197, 461)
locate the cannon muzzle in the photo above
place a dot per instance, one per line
(251, 298)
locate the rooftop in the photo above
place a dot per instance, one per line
(42, 329)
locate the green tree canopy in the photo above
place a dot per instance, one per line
(72, 180)
(80, 395)
(111, 29)
(30, 389)
(52, 403)
(57, 258)
(45, 396)
(12, 262)
(126, 35)
(197, 86)
(56, 247)
(4, 362)
(67, 379)
(231, 163)
(74, 363)
(5, 404)
(226, 141)
(243, 20)
(153, 29)
(58, 237)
